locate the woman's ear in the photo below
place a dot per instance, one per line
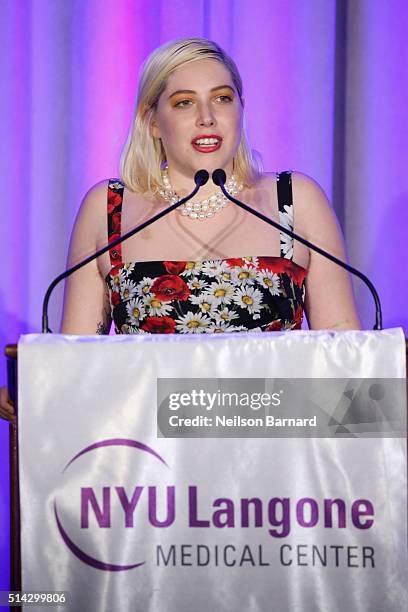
(149, 116)
(154, 129)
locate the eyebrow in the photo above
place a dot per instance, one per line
(191, 91)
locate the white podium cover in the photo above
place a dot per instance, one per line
(124, 520)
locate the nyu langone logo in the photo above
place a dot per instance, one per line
(103, 517)
(276, 514)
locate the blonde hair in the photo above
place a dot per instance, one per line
(143, 156)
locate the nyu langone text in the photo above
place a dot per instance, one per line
(277, 514)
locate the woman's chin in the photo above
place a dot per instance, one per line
(211, 165)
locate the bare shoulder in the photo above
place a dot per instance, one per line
(93, 208)
(314, 217)
(307, 188)
(308, 196)
(90, 223)
(312, 207)
(95, 199)
(307, 193)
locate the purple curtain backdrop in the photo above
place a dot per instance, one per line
(325, 85)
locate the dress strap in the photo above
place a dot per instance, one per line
(115, 200)
(285, 206)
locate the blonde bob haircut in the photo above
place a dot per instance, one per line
(143, 156)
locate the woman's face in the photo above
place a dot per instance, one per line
(200, 101)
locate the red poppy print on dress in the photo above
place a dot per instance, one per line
(298, 318)
(234, 261)
(169, 287)
(175, 267)
(114, 200)
(279, 265)
(296, 273)
(116, 218)
(159, 325)
(116, 252)
(115, 271)
(267, 296)
(274, 326)
(114, 236)
(115, 298)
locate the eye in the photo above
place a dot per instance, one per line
(183, 103)
(223, 99)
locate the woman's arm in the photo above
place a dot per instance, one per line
(329, 295)
(86, 298)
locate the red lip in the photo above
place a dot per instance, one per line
(206, 148)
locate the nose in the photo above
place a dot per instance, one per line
(205, 116)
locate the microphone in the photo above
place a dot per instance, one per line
(219, 177)
(200, 178)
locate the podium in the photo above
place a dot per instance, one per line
(15, 561)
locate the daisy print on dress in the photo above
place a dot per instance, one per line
(193, 323)
(246, 275)
(191, 268)
(227, 275)
(128, 289)
(206, 303)
(251, 261)
(197, 284)
(154, 306)
(222, 292)
(249, 298)
(144, 286)
(286, 242)
(269, 280)
(266, 296)
(222, 327)
(136, 310)
(225, 315)
(254, 293)
(128, 268)
(115, 185)
(117, 280)
(214, 268)
(240, 304)
(130, 329)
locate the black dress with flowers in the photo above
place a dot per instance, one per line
(250, 293)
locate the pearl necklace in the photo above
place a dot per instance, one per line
(206, 208)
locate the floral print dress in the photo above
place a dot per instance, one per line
(249, 293)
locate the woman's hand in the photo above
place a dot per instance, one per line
(7, 410)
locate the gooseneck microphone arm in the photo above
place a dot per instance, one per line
(219, 178)
(201, 177)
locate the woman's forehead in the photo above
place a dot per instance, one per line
(199, 75)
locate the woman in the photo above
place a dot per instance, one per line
(211, 267)
(189, 115)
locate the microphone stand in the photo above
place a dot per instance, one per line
(219, 178)
(200, 178)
